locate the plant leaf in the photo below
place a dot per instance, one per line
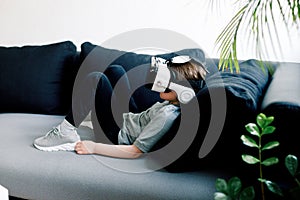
(262, 180)
(269, 120)
(273, 187)
(260, 120)
(253, 129)
(249, 159)
(268, 130)
(248, 141)
(291, 163)
(270, 161)
(247, 193)
(220, 196)
(234, 187)
(228, 40)
(270, 145)
(221, 185)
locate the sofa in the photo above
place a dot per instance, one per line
(36, 84)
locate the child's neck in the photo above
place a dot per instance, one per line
(175, 103)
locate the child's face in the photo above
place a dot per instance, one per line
(169, 96)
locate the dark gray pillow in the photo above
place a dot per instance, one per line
(245, 88)
(37, 79)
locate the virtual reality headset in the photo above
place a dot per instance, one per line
(164, 78)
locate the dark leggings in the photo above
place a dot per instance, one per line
(97, 93)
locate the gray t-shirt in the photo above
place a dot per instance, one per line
(146, 128)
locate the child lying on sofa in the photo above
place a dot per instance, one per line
(140, 131)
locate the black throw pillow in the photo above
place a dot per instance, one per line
(37, 79)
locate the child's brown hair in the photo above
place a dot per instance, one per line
(192, 71)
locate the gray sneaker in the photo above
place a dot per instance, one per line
(54, 140)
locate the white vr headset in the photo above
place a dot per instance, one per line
(163, 78)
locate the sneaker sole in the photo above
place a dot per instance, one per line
(62, 147)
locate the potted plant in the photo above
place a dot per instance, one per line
(233, 188)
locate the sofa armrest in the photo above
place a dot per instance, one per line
(283, 90)
(282, 100)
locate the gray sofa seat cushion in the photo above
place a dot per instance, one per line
(32, 174)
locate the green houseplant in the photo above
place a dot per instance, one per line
(256, 19)
(291, 163)
(259, 130)
(233, 188)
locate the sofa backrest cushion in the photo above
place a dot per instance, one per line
(37, 79)
(246, 87)
(103, 57)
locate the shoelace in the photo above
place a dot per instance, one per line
(53, 132)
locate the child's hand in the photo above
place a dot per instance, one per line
(85, 147)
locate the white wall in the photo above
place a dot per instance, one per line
(28, 22)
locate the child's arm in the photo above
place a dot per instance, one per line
(117, 151)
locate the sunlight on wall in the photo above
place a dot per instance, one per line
(46, 21)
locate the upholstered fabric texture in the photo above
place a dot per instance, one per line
(32, 174)
(37, 79)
